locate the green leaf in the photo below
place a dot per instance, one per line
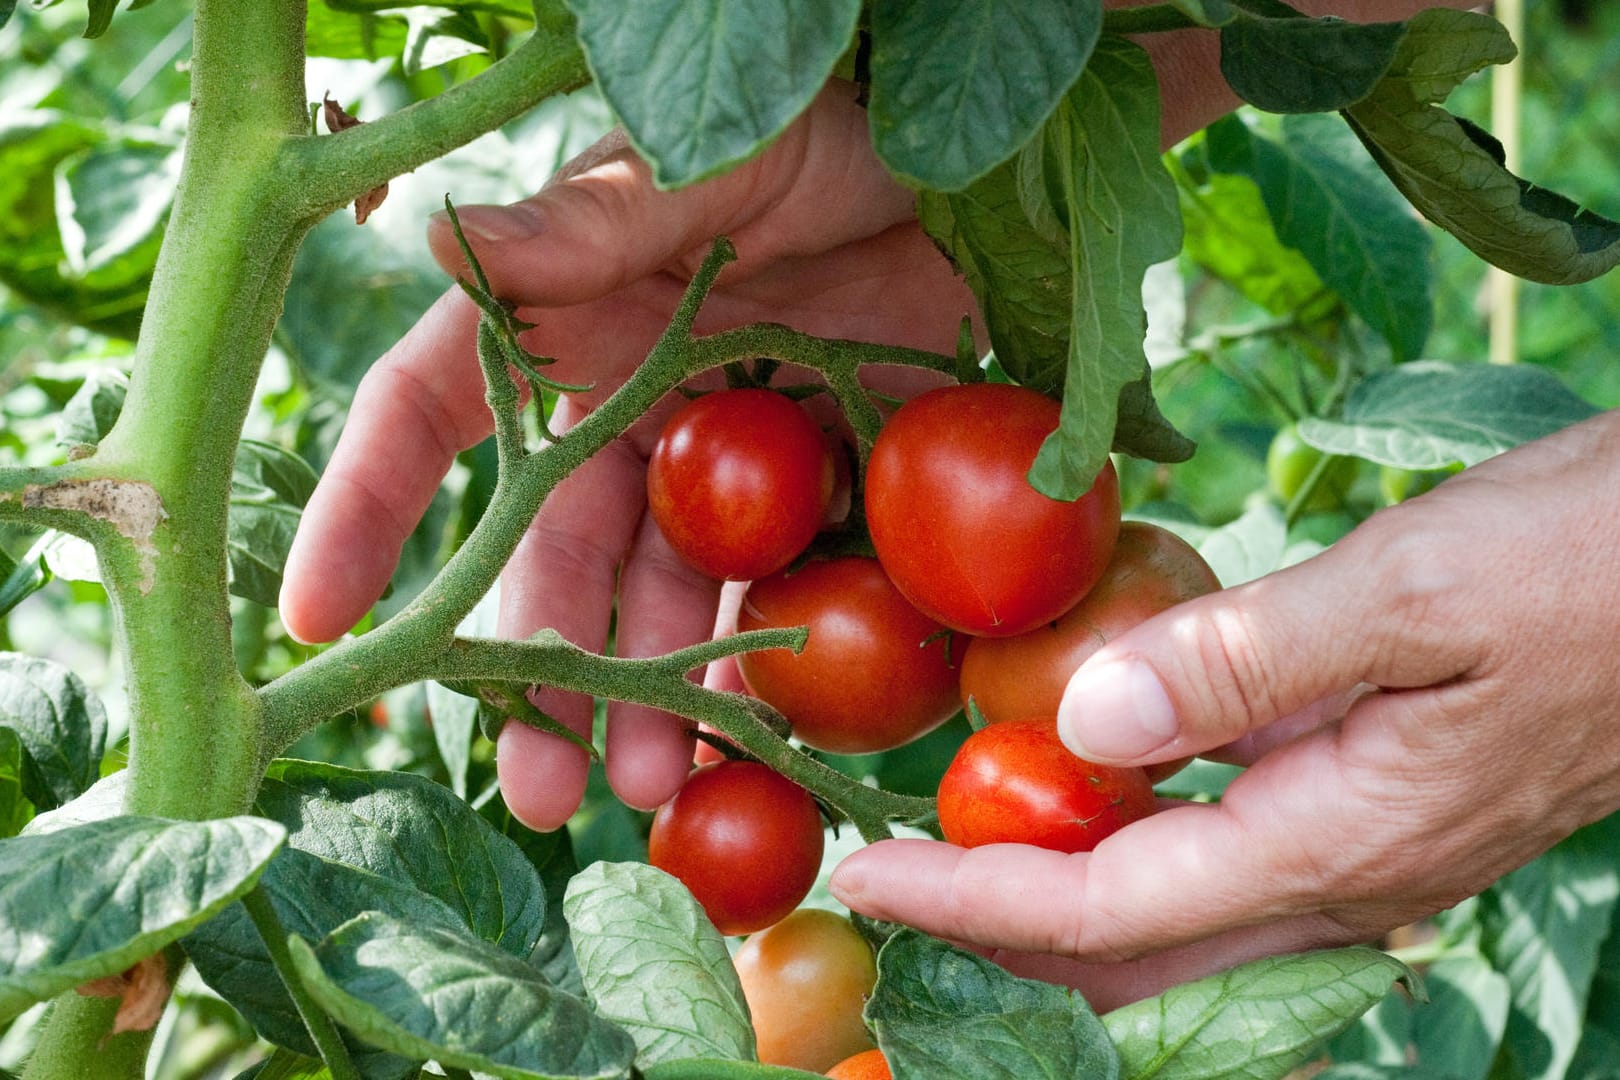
(23, 579)
(1598, 1055)
(349, 35)
(112, 201)
(1211, 13)
(1430, 415)
(1452, 171)
(1142, 430)
(406, 827)
(552, 856)
(90, 413)
(455, 719)
(654, 964)
(334, 341)
(1329, 202)
(83, 902)
(958, 87)
(1540, 923)
(269, 488)
(1121, 210)
(1454, 1035)
(1020, 277)
(286, 1065)
(1299, 65)
(33, 144)
(701, 85)
(104, 800)
(312, 897)
(62, 725)
(7, 7)
(425, 992)
(1255, 1022)
(1250, 547)
(101, 13)
(15, 807)
(1230, 234)
(939, 1011)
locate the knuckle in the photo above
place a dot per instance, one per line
(1235, 681)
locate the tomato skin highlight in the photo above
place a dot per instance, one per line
(959, 528)
(806, 980)
(739, 482)
(1151, 571)
(867, 1065)
(1016, 783)
(866, 680)
(744, 839)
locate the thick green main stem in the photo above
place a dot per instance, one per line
(216, 293)
(155, 496)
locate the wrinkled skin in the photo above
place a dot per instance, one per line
(1487, 607)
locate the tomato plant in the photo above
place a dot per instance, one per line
(178, 269)
(1016, 783)
(867, 1065)
(875, 673)
(739, 481)
(959, 528)
(806, 980)
(746, 840)
(1152, 570)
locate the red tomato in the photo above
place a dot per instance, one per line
(739, 482)
(1151, 571)
(873, 675)
(957, 525)
(868, 1065)
(744, 838)
(1016, 783)
(806, 980)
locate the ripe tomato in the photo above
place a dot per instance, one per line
(874, 673)
(806, 980)
(867, 1065)
(739, 482)
(744, 838)
(1015, 782)
(1290, 461)
(957, 525)
(1152, 570)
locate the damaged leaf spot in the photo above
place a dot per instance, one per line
(338, 120)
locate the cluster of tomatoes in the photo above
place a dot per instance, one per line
(983, 590)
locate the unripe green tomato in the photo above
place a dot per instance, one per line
(1398, 485)
(1289, 463)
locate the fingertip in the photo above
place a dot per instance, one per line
(542, 777)
(649, 755)
(873, 878)
(1116, 712)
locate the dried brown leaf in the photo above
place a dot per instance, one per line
(337, 119)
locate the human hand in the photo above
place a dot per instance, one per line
(827, 243)
(1486, 614)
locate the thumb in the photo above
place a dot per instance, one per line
(601, 223)
(1384, 606)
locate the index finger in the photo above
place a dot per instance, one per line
(417, 407)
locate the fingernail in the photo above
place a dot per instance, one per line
(1116, 713)
(495, 224)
